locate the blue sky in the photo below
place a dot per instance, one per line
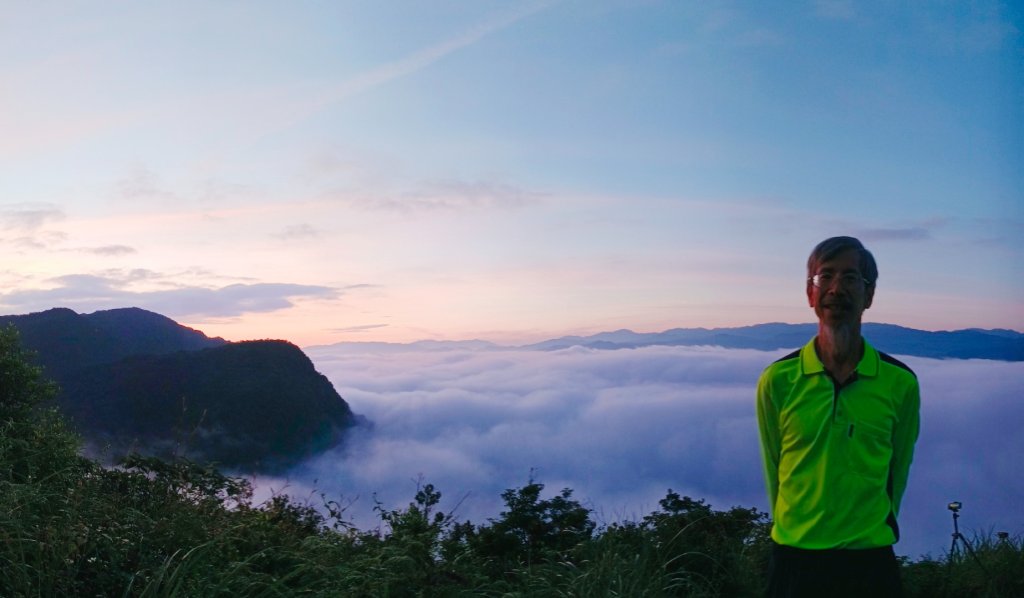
(512, 171)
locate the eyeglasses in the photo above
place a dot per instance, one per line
(847, 280)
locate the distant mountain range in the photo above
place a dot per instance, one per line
(1003, 345)
(133, 379)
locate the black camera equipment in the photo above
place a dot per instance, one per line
(955, 553)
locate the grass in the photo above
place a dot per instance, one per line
(997, 572)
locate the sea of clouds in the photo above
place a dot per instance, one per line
(621, 427)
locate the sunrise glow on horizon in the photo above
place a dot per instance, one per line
(397, 171)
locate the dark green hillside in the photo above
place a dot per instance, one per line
(134, 379)
(251, 405)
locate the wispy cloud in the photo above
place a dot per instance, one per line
(28, 224)
(89, 292)
(312, 101)
(120, 277)
(922, 229)
(41, 240)
(895, 234)
(445, 196)
(143, 184)
(835, 9)
(111, 250)
(425, 57)
(362, 328)
(29, 217)
(298, 231)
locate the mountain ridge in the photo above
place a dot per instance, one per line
(131, 379)
(970, 343)
(66, 340)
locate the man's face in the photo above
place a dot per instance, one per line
(838, 301)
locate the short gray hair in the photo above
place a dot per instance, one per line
(833, 246)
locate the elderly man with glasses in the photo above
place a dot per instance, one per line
(838, 420)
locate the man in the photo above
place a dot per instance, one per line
(838, 421)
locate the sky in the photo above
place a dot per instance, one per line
(622, 427)
(511, 171)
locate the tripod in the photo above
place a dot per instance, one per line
(955, 553)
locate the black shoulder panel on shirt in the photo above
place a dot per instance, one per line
(792, 355)
(896, 362)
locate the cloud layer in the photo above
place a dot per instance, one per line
(88, 292)
(622, 427)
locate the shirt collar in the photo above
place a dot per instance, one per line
(810, 364)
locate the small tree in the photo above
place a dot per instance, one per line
(39, 468)
(725, 550)
(34, 440)
(532, 530)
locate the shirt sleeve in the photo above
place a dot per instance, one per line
(904, 438)
(771, 443)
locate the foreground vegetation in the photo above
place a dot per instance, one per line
(149, 527)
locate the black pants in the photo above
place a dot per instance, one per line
(798, 573)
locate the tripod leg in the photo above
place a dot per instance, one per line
(971, 552)
(954, 551)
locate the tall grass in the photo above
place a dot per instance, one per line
(995, 570)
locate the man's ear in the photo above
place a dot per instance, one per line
(810, 294)
(869, 295)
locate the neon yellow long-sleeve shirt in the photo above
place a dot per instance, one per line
(836, 458)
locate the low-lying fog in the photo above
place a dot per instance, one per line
(622, 427)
